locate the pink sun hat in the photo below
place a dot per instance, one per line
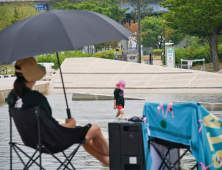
(122, 84)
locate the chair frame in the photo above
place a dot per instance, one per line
(33, 159)
(166, 161)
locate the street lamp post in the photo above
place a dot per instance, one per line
(164, 51)
(164, 61)
(139, 33)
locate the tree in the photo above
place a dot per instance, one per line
(15, 16)
(172, 35)
(153, 28)
(195, 17)
(133, 27)
(122, 2)
(145, 10)
(6, 15)
(10, 14)
(108, 8)
(25, 10)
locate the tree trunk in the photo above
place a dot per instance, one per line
(211, 53)
(214, 49)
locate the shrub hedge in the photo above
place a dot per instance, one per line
(51, 57)
(108, 54)
(192, 53)
(157, 52)
(220, 53)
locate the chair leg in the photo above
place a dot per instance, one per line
(20, 158)
(165, 156)
(10, 156)
(40, 157)
(30, 158)
(196, 165)
(161, 155)
(180, 157)
(71, 155)
(69, 161)
(56, 158)
(34, 161)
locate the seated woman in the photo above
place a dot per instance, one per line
(22, 96)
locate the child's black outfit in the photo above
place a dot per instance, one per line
(119, 97)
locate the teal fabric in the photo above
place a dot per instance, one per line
(115, 56)
(187, 123)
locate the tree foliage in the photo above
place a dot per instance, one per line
(145, 9)
(153, 28)
(133, 27)
(197, 17)
(15, 16)
(6, 15)
(15, 12)
(108, 8)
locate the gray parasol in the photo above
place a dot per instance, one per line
(57, 30)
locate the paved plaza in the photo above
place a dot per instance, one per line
(96, 75)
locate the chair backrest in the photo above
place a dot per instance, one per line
(53, 136)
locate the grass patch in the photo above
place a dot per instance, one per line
(8, 66)
(9, 69)
(155, 57)
(208, 67)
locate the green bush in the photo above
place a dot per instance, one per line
(52, 58)
(192, 53)
(108, 54)
(157, 52)
(220, 53)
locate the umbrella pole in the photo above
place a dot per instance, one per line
(67, 110)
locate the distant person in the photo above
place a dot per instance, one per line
(119, 98)
(115, 54)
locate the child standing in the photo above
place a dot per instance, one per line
(119, 98)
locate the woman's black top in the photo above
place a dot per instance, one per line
(29, 99)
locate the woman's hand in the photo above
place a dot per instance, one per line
(114, 106)
(70, 123)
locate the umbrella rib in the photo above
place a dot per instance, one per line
(28, 19)
(65, 30)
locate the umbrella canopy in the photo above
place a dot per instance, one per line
(60, 30)
(57, 30)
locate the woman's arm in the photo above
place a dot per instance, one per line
(70, 123)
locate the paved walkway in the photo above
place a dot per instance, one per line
(96, 75)
(155, 62)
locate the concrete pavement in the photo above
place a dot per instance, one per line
(96, 75)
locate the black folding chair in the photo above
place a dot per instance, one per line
(43, 133)
(166, 162)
